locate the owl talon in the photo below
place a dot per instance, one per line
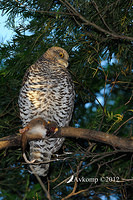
(23, 130)
(28, 161)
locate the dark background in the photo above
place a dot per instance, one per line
(101, 68)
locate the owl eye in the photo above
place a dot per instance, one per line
(61, 55)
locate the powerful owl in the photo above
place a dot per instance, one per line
(47, 92)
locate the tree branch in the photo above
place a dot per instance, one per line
(50, 129)
(74, 12)
(87, 22)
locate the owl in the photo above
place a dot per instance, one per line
(47, 92)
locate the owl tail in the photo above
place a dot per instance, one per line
(41, 155)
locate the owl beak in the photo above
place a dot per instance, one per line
(66, 64)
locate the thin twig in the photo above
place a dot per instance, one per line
(87, 22)
(92, 162)
(97, 9)
(73, 12)
(122, 125)
(41, 183)
(44, 11)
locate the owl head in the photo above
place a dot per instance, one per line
(58, 56)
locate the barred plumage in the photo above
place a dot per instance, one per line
(47, 92)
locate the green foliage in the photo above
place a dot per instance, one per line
(43, 24)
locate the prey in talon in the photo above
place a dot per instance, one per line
(37, 127)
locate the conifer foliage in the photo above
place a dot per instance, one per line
(98, 36)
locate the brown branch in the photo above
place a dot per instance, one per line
(97, 9)
(73, 12)
(51, 130)
(97, 136)
(87, 22)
